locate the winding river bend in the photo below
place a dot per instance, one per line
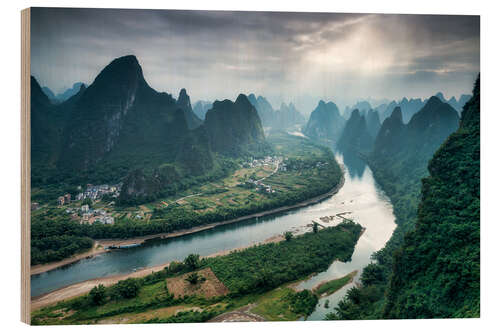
(360, 196)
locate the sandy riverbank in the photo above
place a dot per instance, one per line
(84, 287)
(97, 248)
(139, 240)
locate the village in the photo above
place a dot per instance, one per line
(80, 207)
(258, 184)
(95, 203)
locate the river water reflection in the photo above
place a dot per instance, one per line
(360, 196)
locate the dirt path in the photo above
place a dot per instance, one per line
(272, 173)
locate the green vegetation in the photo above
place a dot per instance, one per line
(356, 135)
(54, 238)
(430, 267)
(119, 129)
(436, 273)
(268, 266)
(332, 286)
(284, 304)
(311, 171)
(251, 276)
(195, 278)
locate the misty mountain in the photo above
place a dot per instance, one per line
(120, 128)
(325, 122)
(49, 93)
(264, 109)
(200, 108)
(46, 123)
(441, 257)
(392, 134)
(69, 92)
(408, 108)
(184, 102)
(48, 120)
(355, 135)
(62, 97)
(287, 116)
(411, 106)
(417, 140)
(372, 122)
(234, 127)
(456, 104)
(361, 106)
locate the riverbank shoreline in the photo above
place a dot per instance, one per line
(106, 243)
(81, 288)
(97, 249)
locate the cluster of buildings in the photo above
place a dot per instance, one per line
(90, 216)
(92, 192)
(260, 186)
(64, 199)
(85, 214)
(268, 160)
(95, 192)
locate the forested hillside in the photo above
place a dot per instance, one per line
(119, 129)
(435, 269)
(436, 273)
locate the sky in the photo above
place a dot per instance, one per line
(285, 56)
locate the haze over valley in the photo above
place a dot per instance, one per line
(253, 166)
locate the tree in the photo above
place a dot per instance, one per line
(373, 274)
(315, 227)
(175, 267)
(128, 288)
(194, 278)
(192, 261)
(98, 295)
(288, 236)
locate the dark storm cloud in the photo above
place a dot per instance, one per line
(217, 54)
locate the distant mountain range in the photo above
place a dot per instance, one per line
(59, 98)
(429, 122)
(418, 139)
(439, 254)
(120, 127)
(200, 108)
(287, 116)
(361, 106)
(456, 104)
(408, 106)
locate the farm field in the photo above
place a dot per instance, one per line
(172, 295)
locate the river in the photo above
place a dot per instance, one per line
(360, 196)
